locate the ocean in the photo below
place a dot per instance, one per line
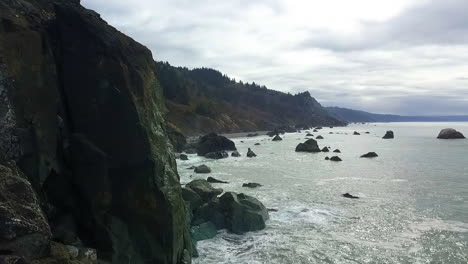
(413, 205)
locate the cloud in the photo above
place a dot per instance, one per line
(387, 56)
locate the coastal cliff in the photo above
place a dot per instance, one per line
(82, 135)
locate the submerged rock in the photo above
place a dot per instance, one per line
(251, 185)
(213, 143)
(337, 151)
(251, 154)
(257, 144)
(327, 158)
(204, 189)
(202, 169)
(370, 155)
(356, 133)
(309, 135)
(388, 135)
(243, 213)
(450, 133)
(235, 154)
(183, 157)
(347, 195)
(319, 137)
(309, 145)
(277, 138)
(213, 180)
(217, 155)
(335, 158)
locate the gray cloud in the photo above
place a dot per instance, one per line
(401, 64)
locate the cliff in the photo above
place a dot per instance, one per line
(83, 139)
(203, 100)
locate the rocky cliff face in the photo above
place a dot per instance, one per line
(81, 115)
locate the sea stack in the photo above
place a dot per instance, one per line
(450, 133)
(388, 135)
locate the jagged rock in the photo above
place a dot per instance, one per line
(204, 189)
(277, 138)
(309, 145)
(202, 169)
(251, 154)
(183, 157)
(319, 137)
(388, 135)
(192, 198)
(325, 149)
(235, 154)
(370, 155)
(243, 213)
(203, 231)
(251, 185)
(356, 133)
(213, 143)
(213, 180)
(337, 151)
(450, 133)
(216, 155)
(335, 158)
(24, 230)
(347, 195)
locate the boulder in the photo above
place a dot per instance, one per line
(356, 133)
(309, 135)
(251, 154)
(213, 180)
(367, 132)
(202, 169)
(348, 195)
(327, 158)
(216, 155)
(277, 138)
(388, 135)
(325, 149)
(192, 198)
(213, 143)
(335, 158)
(370, 155)
(24, 230)
(450, 133)
(243, 213)
(183, 157)
(235, 154)
(319, 137)
(309, 145)
(210, 212)
(203, 231)
(204, 189)
(337, 151)
(251, 185)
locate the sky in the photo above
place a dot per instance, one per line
(405, 57)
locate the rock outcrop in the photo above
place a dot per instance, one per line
(251, 154)
(388, 135)
(277, 138)
(335, 158)
(369, 155)
(213, 143)
(235, 154)
(81, 113)
(309, 145)
(450, 133)
(202, 169)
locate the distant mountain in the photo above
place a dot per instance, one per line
(204, 100)
(350, 115)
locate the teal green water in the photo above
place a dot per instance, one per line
(413, 206)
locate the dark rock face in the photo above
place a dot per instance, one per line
(388, 135)
(235, 154)
(347, 195)
(202, 169)
(309, 145)
(277, 138)
(93, 141)
(217, 155)
(176, 138)
(204, 189)
(251, 185)
(243, 213)
(213, 143)
(192, 197)
(370, 155)
(335, 158)
(24, 230)
(203, 231)
(450, 133)
(213, 180)
(251, 154)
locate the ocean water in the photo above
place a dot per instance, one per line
(413, 205)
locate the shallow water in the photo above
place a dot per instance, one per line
(413, 206)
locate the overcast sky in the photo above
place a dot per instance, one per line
(383, 56)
